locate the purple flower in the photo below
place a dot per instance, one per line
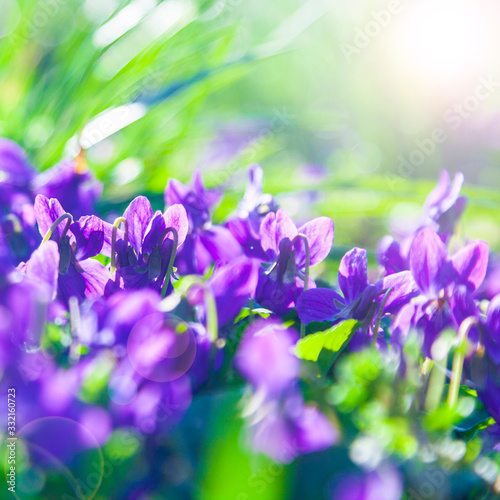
(255, 205)
(265, 356)
(205, 243)
(231, 285)
(442, 210)
(16, 172)
(109, 321)
(284, 427)
(444, 205)
(386, 483)
(281, 284)
(485, 372)
(445, 283)
(197, 200)
(72, 184)
(67, 253)
(360, 299)
(143, 253)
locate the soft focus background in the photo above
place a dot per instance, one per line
(352, 108)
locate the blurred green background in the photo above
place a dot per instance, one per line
(340, 102)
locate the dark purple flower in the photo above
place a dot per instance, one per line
(206, 243)
(197, 200)
(16, 172)
(282, 283)
(491, 285)
(484, 369)
(445, 283)
(144, 250)
(442, 210)
(83, 239)
(359, 299)
(72, 184)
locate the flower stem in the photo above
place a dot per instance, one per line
(56, 223)
(172, 256)
(379, 317)
(303, 237)
(435, 387)
(458, 360)
(212, 324)
(118, 221)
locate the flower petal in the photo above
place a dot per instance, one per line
(471, 263)
(138, 214)
(318, 304)
(47, 211)
(176, 217)
(89, 236)
(319, 233)
(274, 228)
(430, 263)
(44, 266)
(404, 289)
(232, 286)
(155, 228)
(353, 274)
(389, 255)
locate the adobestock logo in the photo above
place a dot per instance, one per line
(380, 19)
(453, 118)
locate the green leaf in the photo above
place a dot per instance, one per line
(334, 339)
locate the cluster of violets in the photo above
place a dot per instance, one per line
(124, 292)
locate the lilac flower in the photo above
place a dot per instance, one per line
(143, 252)
(265, 356)
(284, 427)
(72, 184)
(485, 372)
(444, 205)
(491, 285)
(281, 284)
(442, 210)
(109, 321)
(360, 299)
(231, 285)
(197, 200)
(23, 310)
(16, 172)
(70, 257)
(445, 283)
(255, 205)
(205, 243)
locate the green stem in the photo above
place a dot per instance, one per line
(303, 237)
(379, 317)
(458, 360)
(56, 223)
(118, 221)
(172, 256)
(437, 380)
